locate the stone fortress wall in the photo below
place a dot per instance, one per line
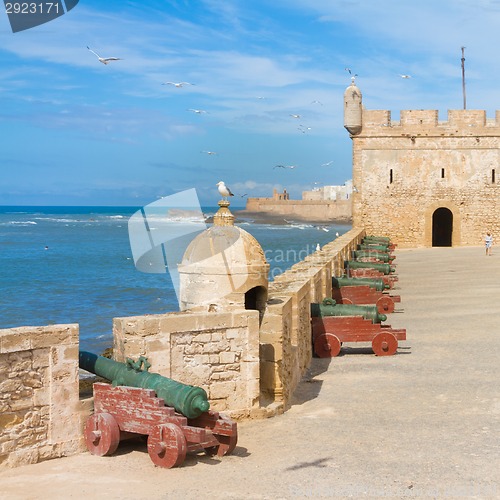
(325, 204)
(40, 410)
(419, 179)
(248, 361)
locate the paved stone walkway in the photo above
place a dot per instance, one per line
(424, 423)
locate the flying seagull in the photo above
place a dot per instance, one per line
(295, 116)
(327, 163)
(198, 111)
(303, 128)
(177, 84)
(405, 76)
(210, 152)
(317, 102)
(224, 190)
(283, 166)
(104, 60)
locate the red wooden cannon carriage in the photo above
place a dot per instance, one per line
(333, 324)
(364, 294)
(123, 412)
(330, 332)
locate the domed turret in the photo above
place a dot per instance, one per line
(353, 109)
(224, 266)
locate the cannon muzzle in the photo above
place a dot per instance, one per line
(329, 307)
(189, 400)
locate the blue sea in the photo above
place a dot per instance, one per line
(75, 265)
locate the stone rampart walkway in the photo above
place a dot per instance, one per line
(422, 424)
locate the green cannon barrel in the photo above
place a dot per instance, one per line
(330, 308)
(376, 283)
(373, 246)
(362, 254)
(383, 268)
(189, 400)
(384, 239)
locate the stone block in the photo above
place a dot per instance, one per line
(220, 390)
(15, 339)
(227, 357)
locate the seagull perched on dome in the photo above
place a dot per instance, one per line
(104, 60)
(224, 190)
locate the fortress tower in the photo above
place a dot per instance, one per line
(422, 181)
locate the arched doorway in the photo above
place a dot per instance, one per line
(256, 298)
(442, 227)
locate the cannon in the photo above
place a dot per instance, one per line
(329, 332)
(381, 267)
(329, 307)
(376, 283)
(384, 239)
(373, 254)
(122, 412)
(375, 247)
(378, 240)
(364, 291)
(186, 399)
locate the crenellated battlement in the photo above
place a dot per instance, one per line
(464, 119)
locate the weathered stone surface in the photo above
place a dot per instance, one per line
(39, 393)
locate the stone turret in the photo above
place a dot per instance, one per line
(353, 109)
(224, 266)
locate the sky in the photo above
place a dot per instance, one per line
(74, 131)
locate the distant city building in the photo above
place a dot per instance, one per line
(326, 203)
(330, 193)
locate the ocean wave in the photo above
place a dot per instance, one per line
(19, 222)
(57, 219)
(161, 219)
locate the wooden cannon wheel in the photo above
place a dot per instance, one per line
(384, 344)
(327, 345)
(226, 446)
(167, 445)
(385, 304)
(102, 434)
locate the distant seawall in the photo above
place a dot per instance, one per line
(311, 210)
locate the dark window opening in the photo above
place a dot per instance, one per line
(256, 298)
(390, 176)
(442, 173)
(493, 176)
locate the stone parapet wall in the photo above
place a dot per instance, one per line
(218, 351)
(40, 414)
(466, 122)
(285, 334)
